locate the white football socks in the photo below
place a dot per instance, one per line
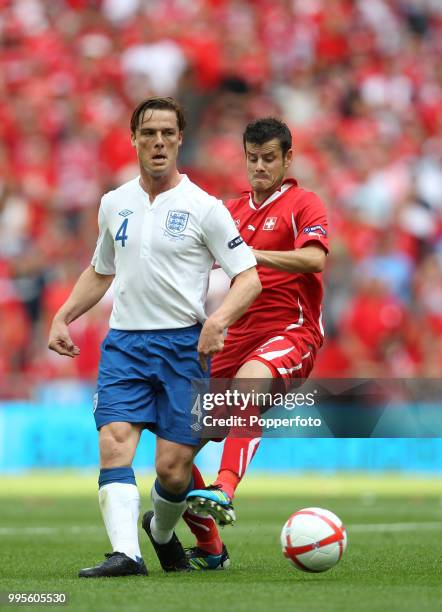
(120, 508)
(167, 514)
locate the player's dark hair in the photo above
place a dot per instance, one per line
(262, 130)
(157, 103)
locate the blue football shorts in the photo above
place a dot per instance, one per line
(145, 377)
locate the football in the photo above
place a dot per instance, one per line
(313, 539)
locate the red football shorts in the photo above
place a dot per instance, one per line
(287, 354)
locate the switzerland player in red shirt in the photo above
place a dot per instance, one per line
(280, 334)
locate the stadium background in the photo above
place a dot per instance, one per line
(360, 85)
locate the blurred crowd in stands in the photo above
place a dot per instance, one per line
(360, 84)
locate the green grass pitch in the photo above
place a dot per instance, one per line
(50, 527)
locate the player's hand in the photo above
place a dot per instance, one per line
(60, 340)
(211, 341)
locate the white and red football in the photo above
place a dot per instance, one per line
(314, 539)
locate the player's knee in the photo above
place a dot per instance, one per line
(120, 433)
(113, 454)
(173, 473)
(115, 444)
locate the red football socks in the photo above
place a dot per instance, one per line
(228, 481)
(237, 454)
(203, 527)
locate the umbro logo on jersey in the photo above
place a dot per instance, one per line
(270, 223)
(176, 221)
(126, 212)
(314, 229)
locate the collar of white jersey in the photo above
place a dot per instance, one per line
(284, 187)
(184, 182)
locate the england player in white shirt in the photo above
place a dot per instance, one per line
(159, 237)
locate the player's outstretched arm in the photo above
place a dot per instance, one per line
(88, 291)
(309, 258)
(245, 289)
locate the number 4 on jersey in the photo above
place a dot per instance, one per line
(121, 234)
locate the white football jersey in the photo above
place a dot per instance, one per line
(162, 253)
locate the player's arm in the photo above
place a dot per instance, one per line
(309, 258)
(88, 291)
(243, 292)
(310, 240)
(238, 262)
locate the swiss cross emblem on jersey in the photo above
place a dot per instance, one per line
(269, 223)
(176, 221)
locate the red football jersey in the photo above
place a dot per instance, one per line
(289, 219)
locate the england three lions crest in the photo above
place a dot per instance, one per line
(176, 221)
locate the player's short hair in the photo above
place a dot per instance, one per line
(262, 130)
(158, 103)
